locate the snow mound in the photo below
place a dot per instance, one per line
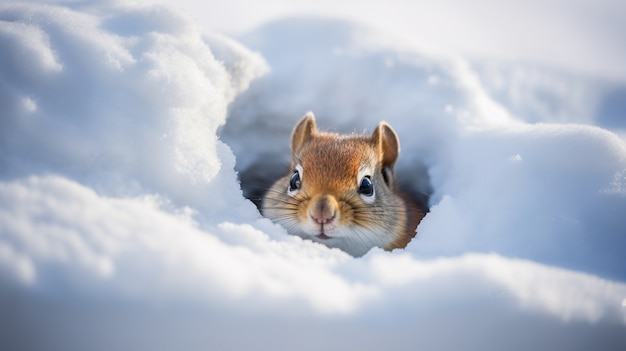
(122, 224)
(496, 181)
(130, 99)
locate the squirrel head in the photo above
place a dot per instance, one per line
(340, 189)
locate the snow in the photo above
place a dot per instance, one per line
(125, 130)
(580, 35)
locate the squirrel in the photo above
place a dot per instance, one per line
(341, 191)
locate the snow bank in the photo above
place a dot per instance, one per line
(122, 225)
(130, 99)
(498, 182)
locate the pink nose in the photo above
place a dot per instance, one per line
(323, 219)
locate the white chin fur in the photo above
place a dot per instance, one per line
(354, 241)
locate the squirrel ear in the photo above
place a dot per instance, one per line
(303, 131)
(386, 140)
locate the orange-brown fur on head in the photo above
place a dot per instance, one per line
(327, 198)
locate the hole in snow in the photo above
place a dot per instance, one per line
(260, 142)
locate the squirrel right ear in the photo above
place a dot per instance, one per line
(303, 131)
(386, 140)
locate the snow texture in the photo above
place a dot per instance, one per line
(124, 133)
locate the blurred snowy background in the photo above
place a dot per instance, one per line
(125, 129)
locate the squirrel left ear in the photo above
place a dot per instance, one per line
(388, 144)
(305, 130)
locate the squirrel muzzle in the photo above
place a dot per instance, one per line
(323, 209)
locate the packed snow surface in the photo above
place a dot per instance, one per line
(127, 134)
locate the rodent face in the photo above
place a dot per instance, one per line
(339, 193)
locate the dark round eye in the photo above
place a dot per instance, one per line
(295, 182)
(367, 187)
